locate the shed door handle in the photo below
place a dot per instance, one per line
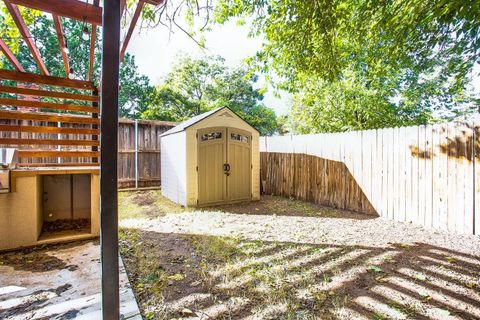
(226, 167)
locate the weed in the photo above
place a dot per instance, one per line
(408, 310)
(378, 316)
(326, 279)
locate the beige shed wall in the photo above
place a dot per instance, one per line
(219, 120)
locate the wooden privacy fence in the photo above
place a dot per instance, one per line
(138, 145)
(139, 152)
(311, 178)
(428, 175)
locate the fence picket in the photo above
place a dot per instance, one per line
(422, 174)
(469, 182)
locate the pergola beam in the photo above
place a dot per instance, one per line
(27, 36)
(48, 80)
(154, 2)
(73, 9)
(62, 43)
(123, 5)
(93, 39)
(10, 56)
(136, 15)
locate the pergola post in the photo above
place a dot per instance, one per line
(108, 160)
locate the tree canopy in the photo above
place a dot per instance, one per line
(365, 64)
(135, 89)
(195, 86)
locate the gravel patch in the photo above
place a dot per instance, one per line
(376, 232)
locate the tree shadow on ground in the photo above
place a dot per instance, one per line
(39, 258)
(181, 276)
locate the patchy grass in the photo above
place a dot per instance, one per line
(180, 275)
(287, 207)
(145, 204)
(233, 277)
(151, 204)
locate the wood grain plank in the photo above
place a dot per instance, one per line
(136, 15)
(391, 170)
(451, 177)
(47, 129)
(10, 56)
(27, 36)
(436, 167)
(46, 117)
(383, 133)
(430, 160)
(73, 9)
(396, 174)
(367, 165)
(444, 145)
(461, 164)
(123, 5)
(418, 151)
(51, 153)
(376, 172)
(46, 93)
(467, 132)
(47, 105)
(412, 175)
(44, 79)
(401, 175)
(476, 211)
(54, 164)
(55, 142)
(93, 39)
(155, 2)
(61, 43)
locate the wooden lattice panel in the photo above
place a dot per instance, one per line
(51, 121)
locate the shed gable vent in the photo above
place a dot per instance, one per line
(225, 114)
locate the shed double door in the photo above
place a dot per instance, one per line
(224, 165)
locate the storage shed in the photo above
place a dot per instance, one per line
(213, 158)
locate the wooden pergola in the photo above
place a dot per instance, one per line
(90, 126)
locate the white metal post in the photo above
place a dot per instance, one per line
(136, 153)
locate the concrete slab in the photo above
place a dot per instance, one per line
(58, 282)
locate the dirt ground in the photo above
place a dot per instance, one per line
(285, 259)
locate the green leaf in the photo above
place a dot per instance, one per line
(420, 277)
(423, 293)
(450, 259)
(374, 268)
(176, 277)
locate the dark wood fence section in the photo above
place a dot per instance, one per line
(71, 144)
(314, 179)
(146, 150)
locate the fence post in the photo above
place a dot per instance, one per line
(136, 153)
(474, 167)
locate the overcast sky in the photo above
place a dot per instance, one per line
(155, 50)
